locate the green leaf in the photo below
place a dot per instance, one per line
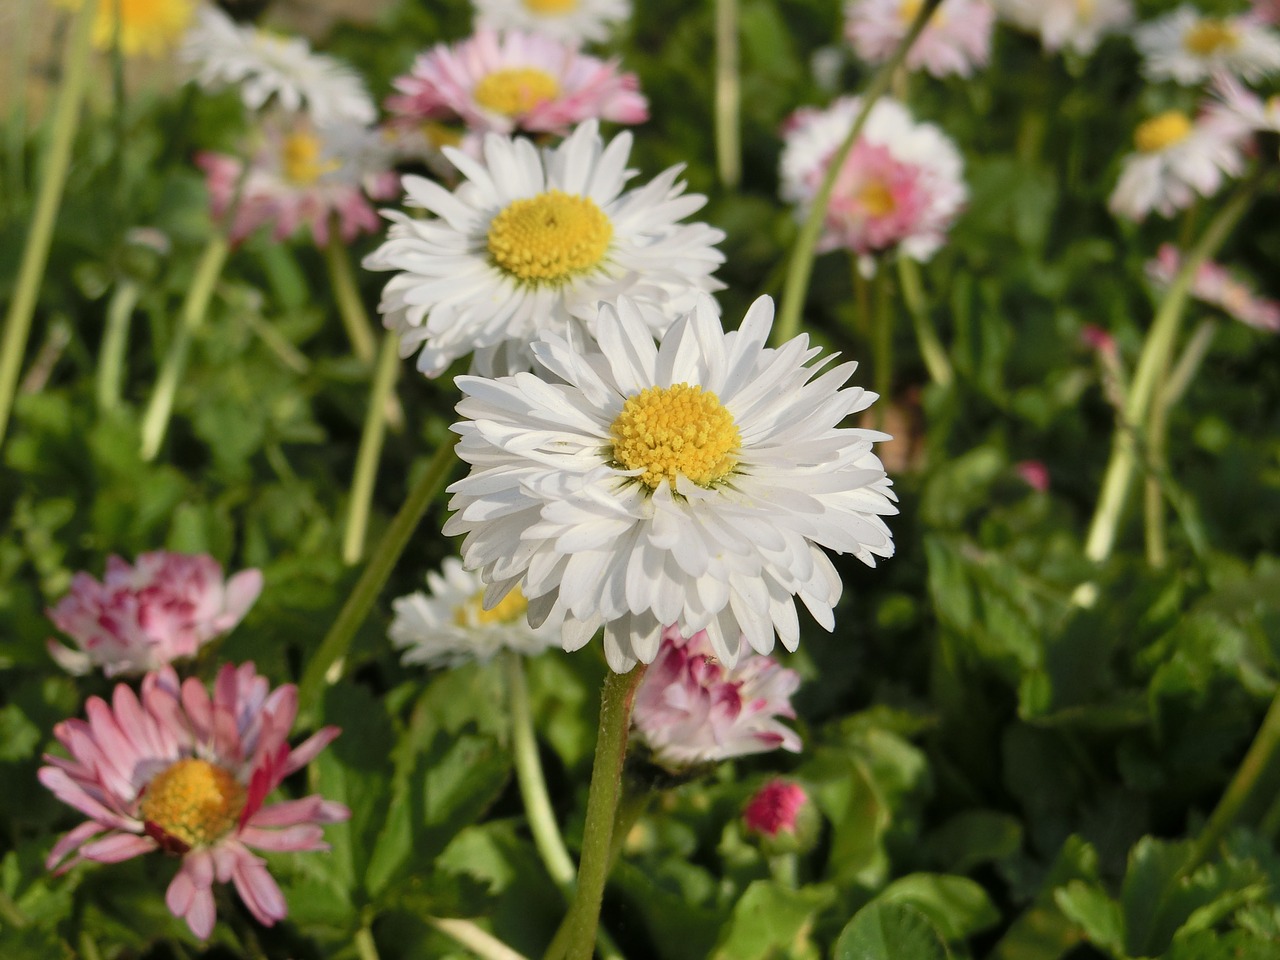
(889, 931)
(770, 920)
(1097, 914)
(974, 837)
(956, 906)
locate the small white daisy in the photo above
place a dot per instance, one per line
(265, 65)
(532, 239)
(692, 484)
(1078, 25)
(1187, 47)
(572, 20)
(1238, 102)
(1178, 159)
(448, 626)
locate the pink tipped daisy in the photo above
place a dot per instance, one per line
(1075, 25)
(186, 773)
(956, 40)
(143, 617)
(504, 83)
(1217, 286)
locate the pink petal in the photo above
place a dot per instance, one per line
(307, 836)
(117, 847)
(242, 590)
(71, 840)
(258, 891)
(312, 809)
(307, 751)
(74, 795)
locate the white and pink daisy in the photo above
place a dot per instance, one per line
(186, 773)
(1266, 11)
(901, 185)
(956, 40)
(515, 82)
(1075, 25)
(1245, 106)
(1188, 47)
(1217, 286)
(143, 617)
(575, 21)
(690, 708)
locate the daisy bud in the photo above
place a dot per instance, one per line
(783, 817)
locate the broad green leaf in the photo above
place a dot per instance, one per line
(1096, 913)
(770, 920)
(956, 906)
(889, 931)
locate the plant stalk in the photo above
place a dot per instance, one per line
(728, 95)
(375, 430)
(115, 340)
(347, 295)
(480, 942)
(931, 349)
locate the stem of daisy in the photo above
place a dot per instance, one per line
(347, 295)
(801, 265)
(931, 349)
(366, 947)
(728, 95)
(576, 938)
(114, 340)
(483, 944)
(783, 867)
(156, 419)
(375, 424)
(353, 613)
(35, 255)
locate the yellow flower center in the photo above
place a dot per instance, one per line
(1210, 36)
(666, 431)
(510, 609)
(549, 238)
(193, 800)
(908, 10)
(876, 199)
(441, 135)
(550, 8)
(149, 27)
(1162, 131)
(1084, 9)
(516, 91)
(300, 158)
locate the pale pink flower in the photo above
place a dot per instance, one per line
(1034, 473)
(143, 617)
(1215, 285)
(513, 82)
(1098, 340)
(775, 808)
(956, 40)
(181, 772)
(1267, 11)
(690, 708)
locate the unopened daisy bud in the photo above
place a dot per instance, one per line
(783, 817)
(1035, 474)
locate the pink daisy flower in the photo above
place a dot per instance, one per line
(690, 708)
(143, 617)
(1215, 285)
(181, 772)
(956, 40)
(512, 82)
(1267, 11)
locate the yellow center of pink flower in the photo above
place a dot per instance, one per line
(300, 158)
(516, 91)
(550, 8)
(1210, 36)
(549, 238)
(509, 609)
(666, 431)
(1162, 131)
(908, 10)
(193, 800)
(876, 199)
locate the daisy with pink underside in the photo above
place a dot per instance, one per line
(1217, 286)
(956, 40)
(186, 773)
(1242, 104)
(1075, 25)
(513, 82)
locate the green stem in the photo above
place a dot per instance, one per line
(366, 947)
(801, 266)
(483, 944)
(378, 569)
(728, 95)
(276, 342)
(156, 420)
(631, 806)
(931, 349)
(375, 429)
(783, 867)
(347, 296)
(576, 938)
(115, 338)
(19, 65)
(1188, 364)
(35, 255)
(88, 949)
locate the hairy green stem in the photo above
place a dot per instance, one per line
(931, 349)
(375, 430)
(115, 339)
(480, 942)
(347, 295)
(35, 254)
(799, 269)
(728, 95)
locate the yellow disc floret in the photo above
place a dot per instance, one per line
(1162, 131)
(876, 199)
(509, 609)
(193, 800)
(549, 238)
(515, 91)
(666, 431)
(908, 10)
(1210, 36)
(300, 159)
(550, 8)
(148, 27)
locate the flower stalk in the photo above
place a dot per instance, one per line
(483, 944)
(728, 95)
(371, 439)
(347, 296)
(931, 349)
(115, 339)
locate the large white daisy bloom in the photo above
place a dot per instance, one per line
(692, 484)
(573, 20)
(1078, 25)
(448, 626)
(1187, 47)
(265, 65)
(532, 240)
(1176, 160)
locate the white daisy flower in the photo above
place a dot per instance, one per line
(1078, 25)
(1178, 159)
(265, 65)
(1238, 102)
(573, 20)
(692, 484)
(448, 626)
(533, 239)
(1187, 47)
(956, 39)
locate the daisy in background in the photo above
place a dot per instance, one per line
(185, 773)
(505, 83)
(574, 21)
(449, 626)
(151, 28)
(533, 240)
(1188, 47)
(1215, 285)
(1176, 160)
(267, 67)
(956, 40)
(302, 174)
(901, 186)
(1243, 105)
(691, 485)
(163, 608)
(1075, 25)
(691, 709)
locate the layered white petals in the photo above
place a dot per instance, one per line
(1068, 24)
(585, 20)
(1187, 47)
